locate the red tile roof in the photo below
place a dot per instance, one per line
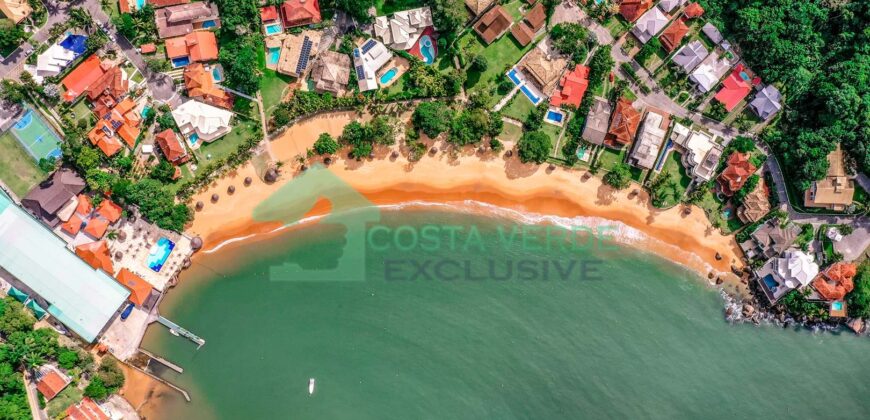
(86, 410)
(140, 289)
(96, 254)
(268, 13)
(631, 10)
(51, 383)
(197, 46)
(124, 6)
(84, 207)
(734, 89)
(623, 127)
(493, 23)
(739, 169)
(200, 84)
(536, 17)
(522, 33)
(101, 136)
(674, 34)
(121, 122)
(694, 10)
(836, 281)
(73, 225)
(111, 84)
(171, 146)
(572, 87)
(110, 211)
(97, 227)
(300, 12)
(78, 80)
(148, 48)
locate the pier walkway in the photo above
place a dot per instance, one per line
(181, 331)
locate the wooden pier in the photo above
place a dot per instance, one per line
(177, 329)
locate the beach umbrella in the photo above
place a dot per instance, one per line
(432, 151)
(509, 153)
(122, 236)
(248, 181)
(327, 161)
(196, 243)
(199, 205)
(231, 189)
(394, 155)
(215, 198)
(271, 175)
(118, 255)
(551, 167)
(303, 168)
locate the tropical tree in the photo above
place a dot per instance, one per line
(534, 146)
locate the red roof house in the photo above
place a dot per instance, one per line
(739, 169)
(109, 210)
(96, 254)
(674, 34)
(163, 3)
(148, 48)
(836, 281)
(572, 87)
(300, 12)
(97, 227)
(693, 11)
(623, 127)
(268, 13)
(734, 89)
(631, 10)
(78, 80)
(73, 225)
(51, 382)
(85, 207)
(171, 146)
(197, 46)
(86, 410)
(140, 289)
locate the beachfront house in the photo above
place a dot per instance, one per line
(493, 24)
(86, 409)
(15, 10)
(182, 19)
(737, 171)
(542, 68)
(649, 25)
(835, 191)
(199, 122)
(200, 85)
(572, 87)
(367, 60)
(770, 239)
(690, 56)
(44, 270)
(701, 152)
(755, 205)
(402, 30)
(623, 125)
(767, 102)
(650, 139)
(597, 121)
(331, 73)
(524, 31)
(54, 200)
(296, 53)
(794, 269)
(631, 10)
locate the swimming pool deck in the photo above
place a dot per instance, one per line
(140, 237)
(399, 63)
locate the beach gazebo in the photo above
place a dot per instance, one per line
(215, 198)
(248, 181)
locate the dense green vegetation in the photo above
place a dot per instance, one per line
(859, 299)
(139, 27)
(797, 305)
(363, 137)
(816, 52)
(747, 188)
(619, 177)
(534, 146)
(432, 118)
(325, 145)
(241, 44)
(572, 40)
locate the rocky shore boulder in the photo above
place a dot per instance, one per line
(748, 310)
(856, 325)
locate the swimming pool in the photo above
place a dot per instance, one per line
(274, 55)
(770, 283)
(273, 29)
(217, 74)
(529, 94)
(389, 75)
(145, 111)
(513, 76)
(555, 116)
(209, 24)
(427, 48)
(744, 76)
(140, 4)
(180, 61)
(159, 253)
(193, 139)
(36, 136)
(837, 305)
(664, 155)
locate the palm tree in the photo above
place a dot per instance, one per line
(79, 17)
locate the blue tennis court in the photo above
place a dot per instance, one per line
(36, 136)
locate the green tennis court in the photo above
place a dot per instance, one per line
(36, 136)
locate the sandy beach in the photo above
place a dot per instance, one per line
(458, 180)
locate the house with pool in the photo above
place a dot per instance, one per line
(271, 21)
(300, 13)
(403, 30)
(537, 74)
(200, 82)
(182, 19)
(296, 53)
(195, 47)
(650, 139)
(57, 57)
(368, 59)
(200, 122)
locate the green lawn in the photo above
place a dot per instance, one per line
(385, 7)
(713, 207)
(616, 25)
(69, 396)
(513, 8)
(510, 132)
(609, 158)
(552, 132)
(500, 55)
(519, 107)
(81, 110)
(225, 145)
(18, 170)
(272, 86)
(674, 166)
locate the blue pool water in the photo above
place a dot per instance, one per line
(274, 55)
(216, 74)
(535, 100)
(554, 116)
(581, 151)
(726, 213)
(75, 43)
(744, 76)
(273, 29)
(427, 48)
(770, 282)
(180, 61)
(193, 139)
(513, 76)
(664, 155)
(389, 75)
(159, 253)
(140, 4)
(837, 305)
(209, 24)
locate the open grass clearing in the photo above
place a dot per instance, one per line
(502, 54)
(273, 86)
(519, 107)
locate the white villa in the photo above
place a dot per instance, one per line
(702, 152)
(367, 60)
(708, 73)
(649, 25)
(649, 141)
(796, 269)
(201, 121)
(403, 30)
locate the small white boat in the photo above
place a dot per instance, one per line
(310, 386)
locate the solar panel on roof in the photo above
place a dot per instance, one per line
(360, 73)
(304, 55)
(368, 45)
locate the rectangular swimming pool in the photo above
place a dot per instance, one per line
(513, 76)
(535, 100)
(273, 29)
(159, 253)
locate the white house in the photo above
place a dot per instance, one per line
(702, 152)
(796, 268)
(200, 121)
(403, 30)
(711, 70)
(649, 25)
(367, 60)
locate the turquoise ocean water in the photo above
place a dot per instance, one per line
(636, 337)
